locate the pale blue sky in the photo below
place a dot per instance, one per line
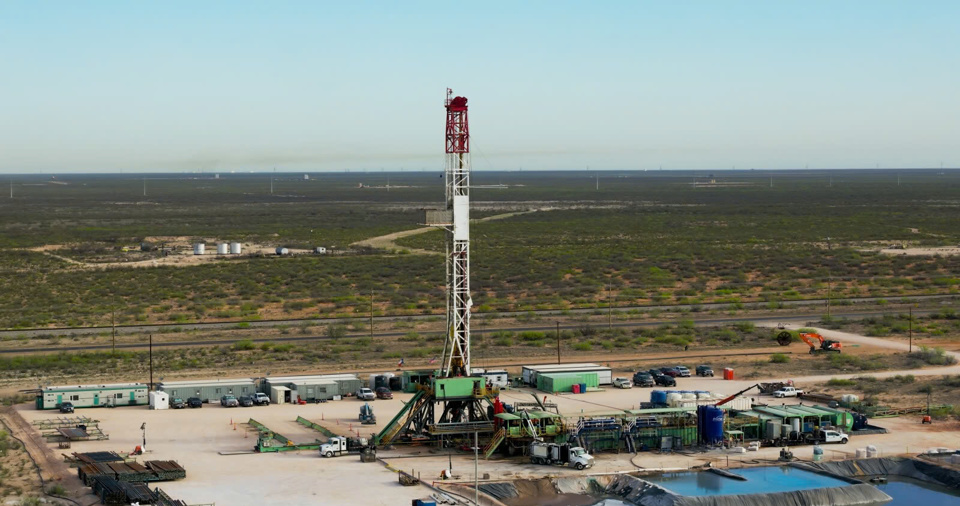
(168, 86)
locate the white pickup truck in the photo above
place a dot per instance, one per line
(788, 392)
(829, 436)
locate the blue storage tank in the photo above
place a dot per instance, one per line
(583, 388)
(658, 397)
(710, 421)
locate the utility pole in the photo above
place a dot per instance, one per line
(829, 295)
(144, 186)
(11, 187)
(151, 361)
(476, 469)
(558, 342)
(113, 323)
(371, 313)
(911, 331)
(609, 310)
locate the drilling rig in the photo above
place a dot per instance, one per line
(450, 391)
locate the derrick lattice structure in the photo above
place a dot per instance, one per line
(456, 359)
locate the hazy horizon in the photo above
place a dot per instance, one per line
(304, 86)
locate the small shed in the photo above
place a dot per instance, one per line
(159, 400)
(281, 395)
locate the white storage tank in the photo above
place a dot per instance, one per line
(871, 451)
(199, 248)
(159, 400)
(673, 398)
(320, 250)
(223, 248)
(235, 248)
(283, 251)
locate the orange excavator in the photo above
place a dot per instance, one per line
(784, 338)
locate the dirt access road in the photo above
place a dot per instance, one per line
(387, 241)
(846, 337)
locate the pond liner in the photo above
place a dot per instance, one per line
(726, 474)
(892, 466)
(642, 493)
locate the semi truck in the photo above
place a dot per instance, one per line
(560, 454)
(338, 445)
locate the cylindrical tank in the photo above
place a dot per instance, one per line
(871, 451)
(373, 382)
(795, 425)
(785, 430)
(575, 388)
(673, 398)
(712, 424)
(773, 430)
(817, 453)
(688, 396)
(658, 397)
(235, 248)
(282, 251)
(199, 248)
(861, 453)
(223, 248)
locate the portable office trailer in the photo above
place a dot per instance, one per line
(496, 377)
(208, 390)
(313, 388)
(530, 372)
(89, 396)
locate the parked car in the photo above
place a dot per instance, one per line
(384, 393)
(643, 379)
(670, 371)
(665, 381)
(195, 402)
(704, 370)
(365, 394)
(229, 401)
(684, 372)
(177, 403)
(261, 399)
(622, 383)
(245, 401)
(66, 407)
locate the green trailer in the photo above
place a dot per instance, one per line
(563, 382)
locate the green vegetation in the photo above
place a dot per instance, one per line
(654, 239)
(779, 358)
(934, 356)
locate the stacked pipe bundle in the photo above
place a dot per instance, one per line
(112, 491)
(166, 469)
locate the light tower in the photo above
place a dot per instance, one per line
(456, 353)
